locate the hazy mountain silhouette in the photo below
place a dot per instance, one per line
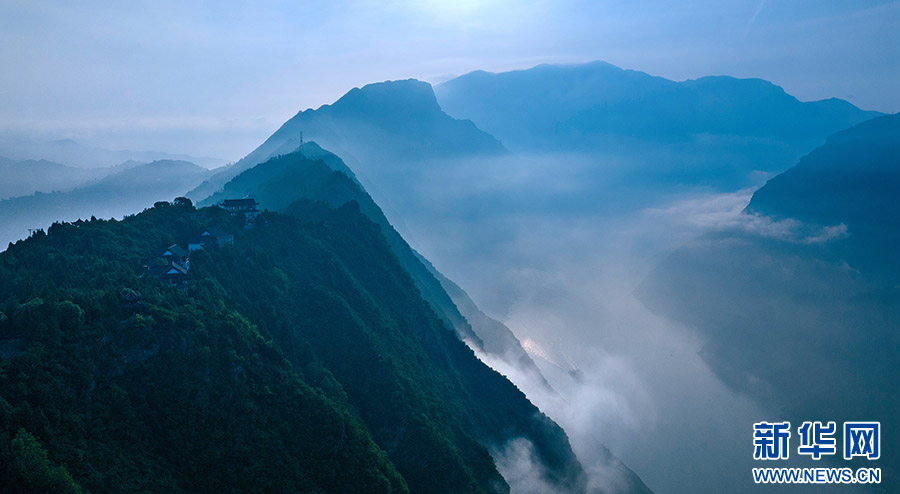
(397, 119)
(565, 106)
(853, 179)
(73, 153)
(125, 192)
(376, 128)
(715, 129)
(20, 178)
(800, 307)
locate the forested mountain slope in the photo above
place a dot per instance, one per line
(302, 357)
(280, 181)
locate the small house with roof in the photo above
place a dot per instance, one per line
(247, 207)
(174, 273)
(213, 237)
(172, 253)
(172, 263)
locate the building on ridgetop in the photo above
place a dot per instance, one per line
(246, 206)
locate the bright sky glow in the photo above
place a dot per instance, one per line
(216, 78)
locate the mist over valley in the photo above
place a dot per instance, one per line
(396, 266)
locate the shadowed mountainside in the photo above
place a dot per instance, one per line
(315, 174)
(281, 180)
(300, 355)
(800, 308)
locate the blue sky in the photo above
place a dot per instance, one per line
(215, 78)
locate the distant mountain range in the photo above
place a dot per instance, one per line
(713, 131)
(566, 107)
(72, 153)
(800, 306)
(128, 191)
(26, 177)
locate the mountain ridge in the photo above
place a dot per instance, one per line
(342, 126)
(276, 182)
(619, 101)
(280, 181)
(72, 153)
(814, 199)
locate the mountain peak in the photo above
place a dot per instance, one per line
(404, 98)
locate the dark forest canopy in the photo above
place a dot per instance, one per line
(300, 358)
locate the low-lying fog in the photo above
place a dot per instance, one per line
(554, 247)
